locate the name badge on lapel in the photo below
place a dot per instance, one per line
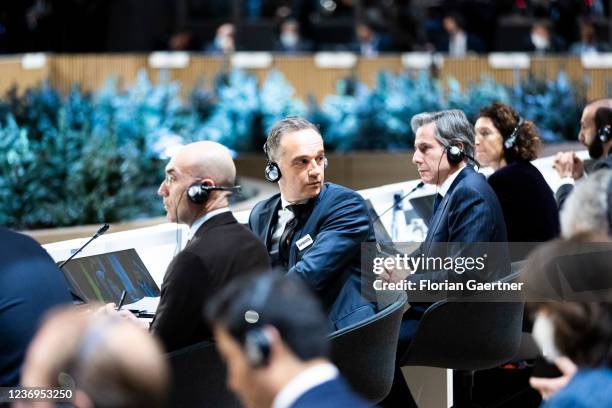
(304, 242)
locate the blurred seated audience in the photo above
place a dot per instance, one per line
(370, 43)
(182, 40)
(290, 40)
(573, 329)
(108, 361)
(589, 208)
(456, 41)
(542, 41)
(507, 143)
(224, 42)
(272, 334)
(588, 43)
(30, 284)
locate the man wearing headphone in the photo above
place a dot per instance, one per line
(199, 178)
(596, 135)
(313, 229)
(272, 334)
(466, 211)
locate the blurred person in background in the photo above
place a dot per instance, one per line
(30, 285)
(108, 361)
(272, 334)
(576, 335)
(224, 42)
(457, 42)
(588, 43)
(589, 208)
(541, 40)
(507, 143)
(596, 135)
(290, 40)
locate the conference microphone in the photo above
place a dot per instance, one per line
(396, 202)
(101, 231)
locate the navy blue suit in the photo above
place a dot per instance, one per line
(338, 223)
(331, 394)
(469, 213)
(30, 285)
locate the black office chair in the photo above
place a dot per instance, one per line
(198, 378)
(365, 352)
(467, 336)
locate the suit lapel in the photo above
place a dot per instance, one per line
(266, 216)
(441, 213)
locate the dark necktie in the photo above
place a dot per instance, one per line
(436, 203)
(299, 211)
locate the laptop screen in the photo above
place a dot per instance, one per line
(103, 277)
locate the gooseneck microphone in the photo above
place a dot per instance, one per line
(421, 184)
(101, 231)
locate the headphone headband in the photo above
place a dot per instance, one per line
(256, 342)
(511, 140)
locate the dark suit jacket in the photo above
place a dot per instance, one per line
(220, 251)
(469, 213)
(331, 394)
(565, 189)
(528, 204)
(30, 285)
(338, 223)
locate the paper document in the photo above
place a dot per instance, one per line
(146, 304)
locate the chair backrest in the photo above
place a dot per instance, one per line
(198, 378)
(465, 335)
(365, 352)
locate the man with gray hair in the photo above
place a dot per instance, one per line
(199, 179)
(588, 210)
(313, 229)
(466, 211)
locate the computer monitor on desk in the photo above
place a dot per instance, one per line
(103, 277)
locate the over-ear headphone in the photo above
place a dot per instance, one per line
(198, 193)
(604, 133)
(511, 140)
(257, 344)
(272, 171)
(454, 154)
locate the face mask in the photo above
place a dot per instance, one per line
(289, 39)
(544, 335)
(539, 42)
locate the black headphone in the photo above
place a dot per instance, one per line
(455, 155)
(272, 171)
(511, 140)
(198, 193)
(604, 133)
(257, 344)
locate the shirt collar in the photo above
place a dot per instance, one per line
(449, 182)
(304, 382)
(285, 203)
(198, 223)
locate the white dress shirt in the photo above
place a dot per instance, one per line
(304, 382)
(284, 216)
(449, 182)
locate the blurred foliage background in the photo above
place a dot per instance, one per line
(85, 158)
